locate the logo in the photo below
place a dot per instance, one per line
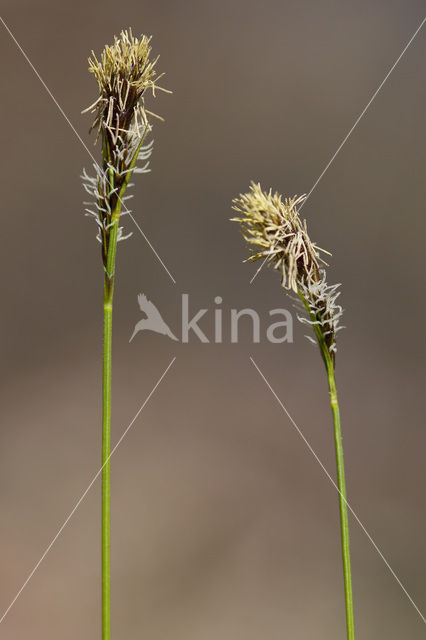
(275, 332)
(153, 320)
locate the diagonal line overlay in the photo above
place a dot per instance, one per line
(345, 139)
(313, 452)
(86, 491)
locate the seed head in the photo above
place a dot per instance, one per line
(123, 74)
(275, 232)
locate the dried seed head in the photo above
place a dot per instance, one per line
(123, 73)
(275, 232)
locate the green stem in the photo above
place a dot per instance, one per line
(109, 268)
(106, 464)
(344, 524)
(341, 483)
(106, 425)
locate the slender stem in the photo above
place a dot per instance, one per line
(341, 482)
(109, 257)
(106, 426)
(344, 524)
(106, 464)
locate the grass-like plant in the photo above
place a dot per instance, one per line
(276, 233)
(123, 74)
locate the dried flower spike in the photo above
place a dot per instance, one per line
(275, 232)
(123, 74)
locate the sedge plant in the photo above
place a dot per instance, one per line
(277, 235)
(123, 74)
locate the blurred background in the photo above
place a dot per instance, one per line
(223, 524)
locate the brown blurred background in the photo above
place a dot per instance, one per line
(224, 525)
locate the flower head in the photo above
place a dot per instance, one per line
(275, 232)
(123, 73)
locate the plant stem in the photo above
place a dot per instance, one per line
(344, 524)
(106, 427)
(341, 483)
(109, 257)
(106, 449)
